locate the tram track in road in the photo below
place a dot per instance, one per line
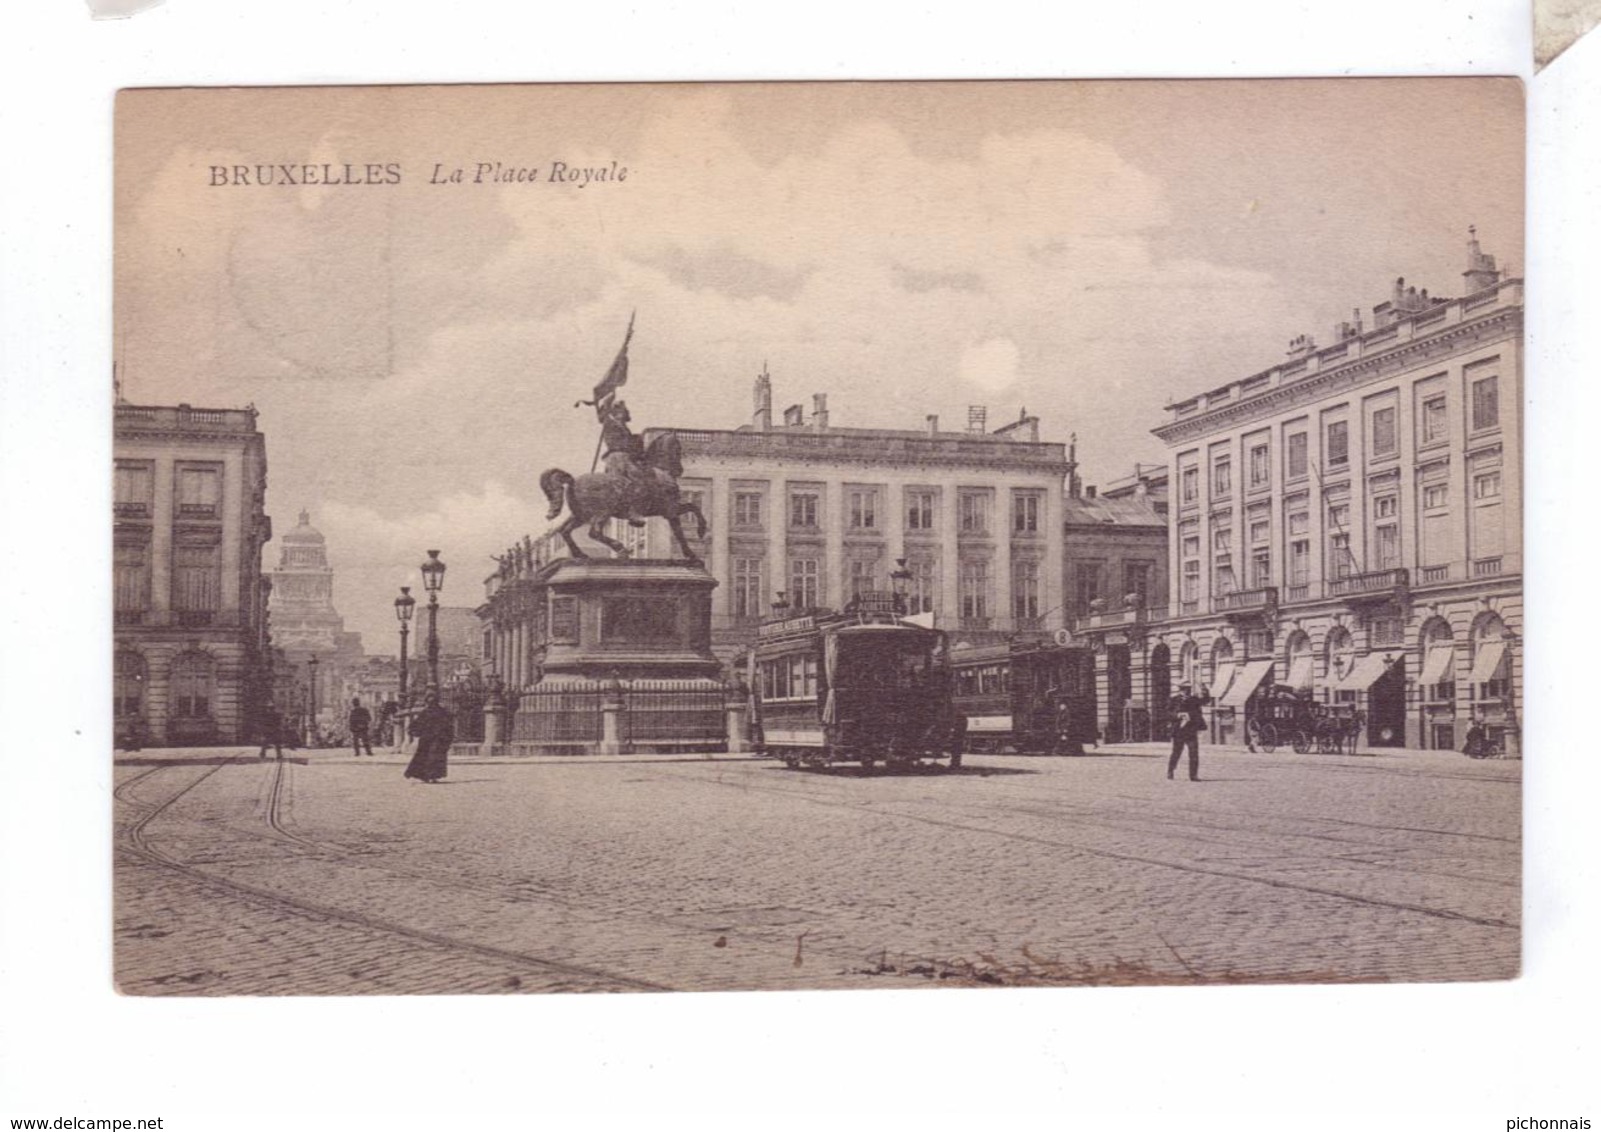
(136, 838)
(856, 806)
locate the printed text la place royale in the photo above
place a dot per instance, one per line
(268, 175)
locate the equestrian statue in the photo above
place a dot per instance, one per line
(637, 481)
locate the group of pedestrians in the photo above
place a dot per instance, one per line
(432, 728)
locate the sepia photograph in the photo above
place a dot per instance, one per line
(710, 537)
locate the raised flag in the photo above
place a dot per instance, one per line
(617, 376)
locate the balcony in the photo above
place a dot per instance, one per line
(1247, 601)
(1376, 585)
(1486, 567)
(1300, 591)
(127, 510)
(1429, 575)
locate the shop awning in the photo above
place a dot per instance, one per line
(1221, 682)
(1487, 662)
(1366, 670)
(1301, 672)
(1436, 665)
(1249, 678)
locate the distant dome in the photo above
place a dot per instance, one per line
(305, 532)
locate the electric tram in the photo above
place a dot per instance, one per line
(1026, 696)
(864, 686)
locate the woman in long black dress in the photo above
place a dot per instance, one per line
(433, 729)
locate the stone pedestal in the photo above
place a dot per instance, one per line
(640, 619)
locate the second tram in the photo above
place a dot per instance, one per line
(1026, 697)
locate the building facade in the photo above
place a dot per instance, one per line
(819, 513)
(1116, 562)
(1348, 522)
(305, 625)
(189, 601)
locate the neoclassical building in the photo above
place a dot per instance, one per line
(1348, 521)
(305, 623)
(188, 597)
(820, 512)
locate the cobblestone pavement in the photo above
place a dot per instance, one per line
(337, 875)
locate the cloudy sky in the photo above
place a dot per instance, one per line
(1086, 250)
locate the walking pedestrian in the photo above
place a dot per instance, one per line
(360, 722)
(386, 722)
(433, 729)
(1188, 723)
(271, 728)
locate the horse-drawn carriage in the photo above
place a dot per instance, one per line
(1276, 716)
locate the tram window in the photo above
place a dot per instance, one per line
(809, 677)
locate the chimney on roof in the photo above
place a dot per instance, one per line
(1481, 273)
(820, 411)
(1072, 465)
(1301, 345)
(1142, 489)
(763, 417)
(1089, 492)
(976, 415)
(794, 415)
(933, 424)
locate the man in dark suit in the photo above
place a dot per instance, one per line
(1188, 723)
(360, 722)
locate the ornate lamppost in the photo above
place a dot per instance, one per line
(433, 578)
(311, 729)
(900, 580)
(403, 608)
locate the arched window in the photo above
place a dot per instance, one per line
(1492, 667)
(1222, 667)
(1437, 675)
(1188, 654)
(1339, 654)
(1298, 659)
(129, 674)
(194, 676)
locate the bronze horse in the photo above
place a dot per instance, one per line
(599, 496)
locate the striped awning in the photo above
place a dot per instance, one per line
(1363, 673)
(1221, 681)
(1487, 662)
(1301, 672)
(1436, 665)
(1249, 678)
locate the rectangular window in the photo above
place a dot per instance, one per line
(920, 593)
(1300, 561)
(1295, 456)
(1338, 450)
(747, 509)
(1190, 485)
(919, 510)
(1222, 540)
(1433, 423)
(803, 583)
(1436, 495)
(973, 512)
(1387, 546)
(747, 588)
(199, 489)
(1487, 486)
(1222, 476)
(1486, 404)
(1025, 513)
(1261, 569)
(131, 578)
(1384, 507)
(862, 580)
(803, 509)
(1340, 564)
(1386, 632)
(1223, 574)
(1087, 584)
(975, 590)
(1384, 440)
(863, 506)
(1298, 523)
(197, 579)
(1192, 546)
(1137, 582)
(133, 488)
(1025, 590)
(1192, 581)
(1259, 470)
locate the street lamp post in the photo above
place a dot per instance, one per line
(433, 578)
(900, 580)
(311, 730)
(403, 608)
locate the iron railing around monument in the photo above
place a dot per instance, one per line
(466, 705)
(677, 714)
(557, 716)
